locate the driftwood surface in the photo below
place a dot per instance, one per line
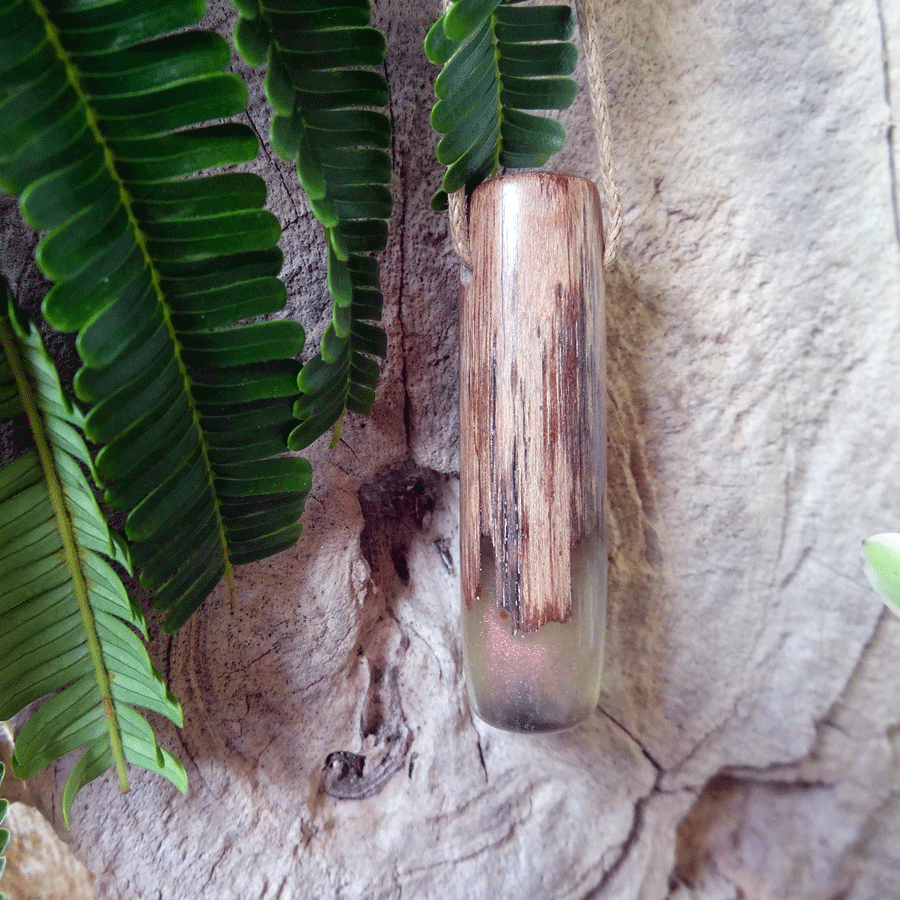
(746, 744)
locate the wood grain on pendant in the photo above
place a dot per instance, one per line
(531, 442)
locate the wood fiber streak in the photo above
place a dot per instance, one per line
(531, 354)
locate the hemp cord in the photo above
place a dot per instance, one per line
(457, 210)
(459, 226)
(588, 15)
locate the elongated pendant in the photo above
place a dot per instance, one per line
(532, 450)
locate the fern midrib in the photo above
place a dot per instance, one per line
(66, 531)
(109, 160)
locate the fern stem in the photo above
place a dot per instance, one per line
(63, 518)
(127, 203)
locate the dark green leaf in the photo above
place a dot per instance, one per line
(242, 384)
(188, 103)
(144, 441)
(206, 544)
(246, 344)
(127, 322)
(365, 44)
(184, 153)
(438, 47)
(198, 198)
(369, 339)
(482, 118)
(304, 20)
(251, 229)
(249, 9)
(182, 596)
(537, 60)
(168, 501)
(538, 93)
(152, 355)
(260, 548)
(498, 59)
(464, 16)
(522, 131)
(126, 493)
(287, 136)
(535, 23)
(326, 119)
(97, 28)
(129, 404)
(342, 88)
(58, 197)
(278, 87)
(465, 65)
(167, 61)
(261, 413)
(348, 127)
(446, 113)
(252, 39)
(69, 305)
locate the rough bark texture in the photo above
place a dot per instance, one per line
(746, 745)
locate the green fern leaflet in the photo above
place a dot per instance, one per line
(326, 99)
(68, 625)
(102, 117)
(499, 58)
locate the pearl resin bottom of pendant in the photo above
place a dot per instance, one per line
(549, 679)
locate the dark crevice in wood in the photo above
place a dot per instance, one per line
(395, 506)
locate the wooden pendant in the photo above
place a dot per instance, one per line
(532, 449)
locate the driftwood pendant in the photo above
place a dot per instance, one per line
(532, 452)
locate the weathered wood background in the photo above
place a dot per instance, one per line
(747, 740)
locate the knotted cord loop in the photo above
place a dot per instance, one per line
(459, 226)
(588, 16)
(457, 210)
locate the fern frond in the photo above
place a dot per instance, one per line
(67, 624)
(326, 100)
(103, 113)
(499, 59)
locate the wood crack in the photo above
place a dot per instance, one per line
(646, 753)
(632, 839)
